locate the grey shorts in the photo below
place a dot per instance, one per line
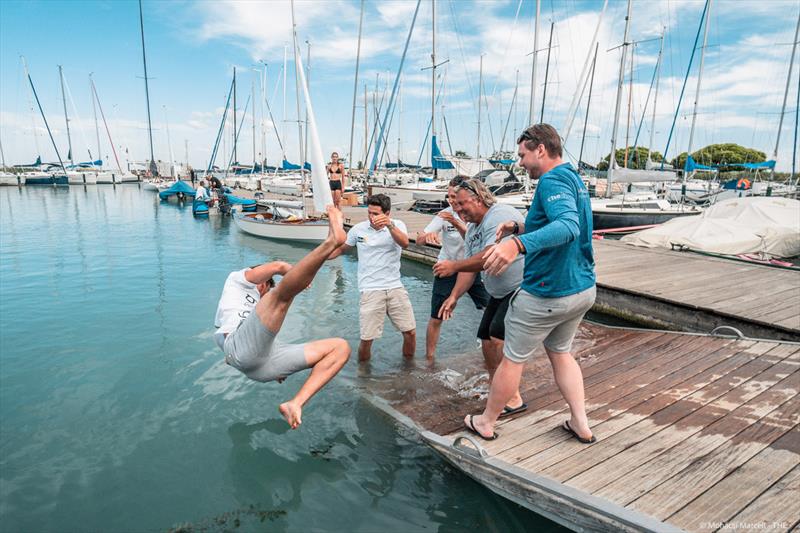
(533, 320)
(253, 350)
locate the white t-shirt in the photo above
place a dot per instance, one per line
(452, 242)
(239, 298)
(201, 193)
(378, 256)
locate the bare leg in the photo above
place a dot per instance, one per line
(495, 359)
(432, 337)
(326, 357)
(364, 350)
(272, 308)
(409, 343)
(337, 198)
(504, 386)
(569, 378)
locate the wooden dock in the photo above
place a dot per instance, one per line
(695, 433)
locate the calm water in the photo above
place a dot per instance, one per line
(117, 413)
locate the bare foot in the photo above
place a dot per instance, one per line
(484, 429)
(336, 225)
(292, 413)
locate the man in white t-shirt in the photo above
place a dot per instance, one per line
(201, 193)
(452, 229)
(250, 314)
(380, 241)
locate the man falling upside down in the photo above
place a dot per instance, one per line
(250, 314)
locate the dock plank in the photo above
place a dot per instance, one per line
(707, 470)
(726, 499)
(680, 421)
(777, 507)
(651, 416)
(693, 438)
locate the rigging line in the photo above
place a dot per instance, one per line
(79, 120)
(272, 118)
(461, 51)
(508, 45)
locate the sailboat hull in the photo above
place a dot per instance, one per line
(308, 230)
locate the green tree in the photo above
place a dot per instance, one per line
(637, 158)
(720, 154)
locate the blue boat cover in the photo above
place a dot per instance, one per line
(437, 159)
(692, 165)
(289, 166)
(177, 187)
(501, 161)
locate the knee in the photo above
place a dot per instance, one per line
(342, 349)
(412, 334)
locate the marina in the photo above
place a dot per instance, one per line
(193, 296)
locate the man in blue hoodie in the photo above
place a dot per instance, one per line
(558, 285)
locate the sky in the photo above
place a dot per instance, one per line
(193, 47)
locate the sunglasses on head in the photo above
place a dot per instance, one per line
(466, 185)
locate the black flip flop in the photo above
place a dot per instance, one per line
(508, 411)
(566, 427)
(471, 427)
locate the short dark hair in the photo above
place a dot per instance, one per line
(542, 134)
(382, 201)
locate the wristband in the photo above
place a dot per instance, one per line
(516, 228)
(520, 248)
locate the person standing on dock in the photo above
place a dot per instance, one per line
(558, 286)
(380, 241)
(476, 205)
(452, 229)
(335, 170)
(251, 312)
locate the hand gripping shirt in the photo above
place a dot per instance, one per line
(479, 236)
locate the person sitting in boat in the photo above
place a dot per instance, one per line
(558, 286)
(380, 241)
(477, 206)
(335, 171)
(452, 229)
(250, 314)
(201, 193)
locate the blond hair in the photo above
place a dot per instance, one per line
(477, 188)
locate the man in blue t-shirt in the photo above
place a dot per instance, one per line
(558, 285)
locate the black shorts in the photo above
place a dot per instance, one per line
(442, 287)
(336, 185)
(493, 323)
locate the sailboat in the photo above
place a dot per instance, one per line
(307, 228)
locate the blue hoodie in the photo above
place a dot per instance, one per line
(558, 236)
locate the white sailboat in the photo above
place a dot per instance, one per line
(307, 228)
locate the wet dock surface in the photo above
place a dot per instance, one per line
(693, 431)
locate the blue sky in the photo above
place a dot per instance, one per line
(193, 46)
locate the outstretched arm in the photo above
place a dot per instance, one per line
(264, 272)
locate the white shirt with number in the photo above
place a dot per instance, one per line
(378, 256)
(452, 241)
(238, 300)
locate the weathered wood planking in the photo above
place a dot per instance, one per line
(693, 431)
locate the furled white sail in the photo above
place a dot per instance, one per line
(319, 178)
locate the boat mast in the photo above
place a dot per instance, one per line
(366, 130)
(96, 127)
(655, 96)
(588, 104)
(66, 117)
(547, 70)
(234, 159)
(41, 111)
(796, 121)
(699, 79)
(169, 145)
(153, 167)
(785, 95)
(612, 160)
(630, 101)
(350, 156)
(533, 67)
(283, 126)
(297, 102)
(433, 85)
(105, 124)
(308, 82)
(253, 98)
(480, 95)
